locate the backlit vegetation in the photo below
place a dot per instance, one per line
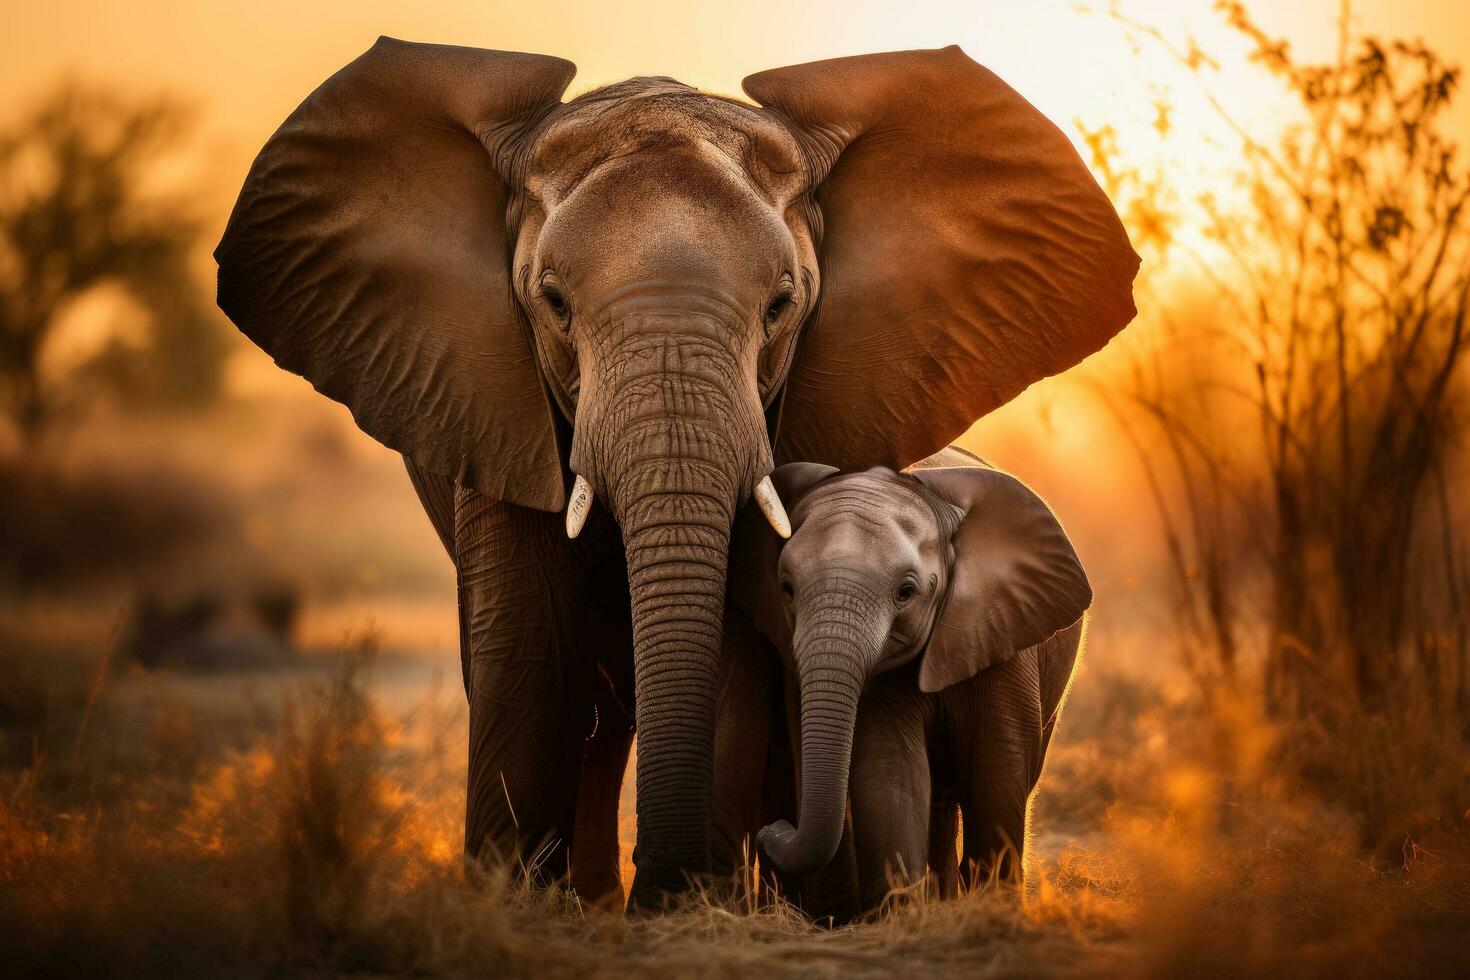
(1301, 423)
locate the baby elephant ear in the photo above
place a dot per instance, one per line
(368, 252)
(1016, 578)
(755, 551)
(793, 480)
(966, 253)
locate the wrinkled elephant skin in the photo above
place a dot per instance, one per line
(630, 290)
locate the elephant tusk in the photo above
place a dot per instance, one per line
(578, 506)
(770, 504)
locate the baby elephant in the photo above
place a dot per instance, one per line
(930, 621)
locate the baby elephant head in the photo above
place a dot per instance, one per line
(962, 568)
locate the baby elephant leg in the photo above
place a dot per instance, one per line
(994, 725)
(890, 787)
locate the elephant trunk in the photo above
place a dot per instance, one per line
(677, 548)
(674, 446)
(831, 681)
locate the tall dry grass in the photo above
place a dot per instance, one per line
(322, 837)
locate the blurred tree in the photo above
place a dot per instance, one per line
(78, 211)
(1298, 432)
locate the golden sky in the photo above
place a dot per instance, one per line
(248, 64)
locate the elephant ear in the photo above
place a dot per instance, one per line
(966, 253)
(1016, 578)
(755, 551)
(368, 252)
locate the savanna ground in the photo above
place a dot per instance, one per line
(309, 821)
(231, 725)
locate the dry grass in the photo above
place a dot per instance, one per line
(322, 837)
(1216, 860)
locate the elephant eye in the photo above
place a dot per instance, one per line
(778, 306)
(788, 590)
(555, 301)
(907, 589)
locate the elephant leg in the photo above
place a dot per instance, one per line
(995, 832)
(531, 681)
(830, 894)
(437, 494)
(744, 717)
(596, 856)
(943, 848)
(1057, 660)
(993, 727)
(890, 787)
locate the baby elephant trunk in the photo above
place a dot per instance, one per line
(831, 682)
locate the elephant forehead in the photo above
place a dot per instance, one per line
(667, 217)
(875, 510)
(659, 115)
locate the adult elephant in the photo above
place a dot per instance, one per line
(640, 292)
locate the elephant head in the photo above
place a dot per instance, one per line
(962, 568)
(882, 250)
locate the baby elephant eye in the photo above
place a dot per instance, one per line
(906, 591)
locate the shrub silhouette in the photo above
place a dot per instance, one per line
(79, 211)
(1298, 432)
